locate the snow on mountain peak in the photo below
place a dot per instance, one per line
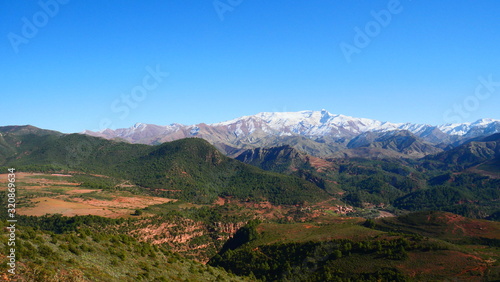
(484, 121)
(311, 123)
(307, 123)
(320, 123)
(464, 128)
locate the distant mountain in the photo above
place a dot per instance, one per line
(401, 141)
(480, 127)
(494, 137)
(469, 154)
(317, 133)
(279, 159)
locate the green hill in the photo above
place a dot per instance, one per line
(189, 169)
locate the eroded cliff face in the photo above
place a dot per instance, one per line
(194, 239)
(227, 229)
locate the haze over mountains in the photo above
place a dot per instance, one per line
(318, 133)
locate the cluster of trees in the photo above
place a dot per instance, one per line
(44, 168)
(408, 185)
(466, 194)
(89, 181)
(202, 180)
(315, 261)
(62, 224)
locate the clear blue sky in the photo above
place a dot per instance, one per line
(70, 73)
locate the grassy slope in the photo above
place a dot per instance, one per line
(444, 254)
(445, 226)
(94, 256)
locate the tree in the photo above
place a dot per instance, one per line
(370, 223)
(337, 254)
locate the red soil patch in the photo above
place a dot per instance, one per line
(220, 201)
(443, 263)
(125, 202)
(463, 226)
(82, 191)
(119, 207)
(385, 214)
(52, 206)
(66, 204)
(319, 164)
(36, 183)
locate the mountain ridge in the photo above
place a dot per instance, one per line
(318, 133)
(320, 118)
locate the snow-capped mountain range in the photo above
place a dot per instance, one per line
(277, 128)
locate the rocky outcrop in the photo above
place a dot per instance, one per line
(187, 236)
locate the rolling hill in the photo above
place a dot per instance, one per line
(188, 169)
